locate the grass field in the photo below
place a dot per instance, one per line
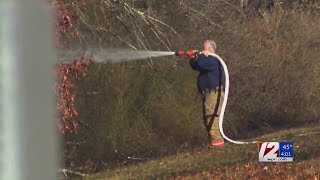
(230, 162)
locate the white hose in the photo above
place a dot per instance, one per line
(224, 103)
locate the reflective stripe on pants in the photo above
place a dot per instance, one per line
(212, 102)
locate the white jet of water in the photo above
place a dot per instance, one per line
(112, 55)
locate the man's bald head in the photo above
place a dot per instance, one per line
(210, 46)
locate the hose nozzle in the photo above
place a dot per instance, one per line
(188, 53)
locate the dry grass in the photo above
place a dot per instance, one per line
(230, 162)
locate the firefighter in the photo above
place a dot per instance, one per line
(210, 86)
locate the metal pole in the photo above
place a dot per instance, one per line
(28, 137)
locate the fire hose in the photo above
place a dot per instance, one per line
(226, 93)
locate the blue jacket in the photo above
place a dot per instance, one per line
(211, 72)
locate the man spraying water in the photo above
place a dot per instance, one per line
(209, 80)
(213, 80)
(210, 85)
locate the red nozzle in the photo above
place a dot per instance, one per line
(179, 53)
(187, 53)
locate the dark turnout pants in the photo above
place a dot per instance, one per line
(212, 102)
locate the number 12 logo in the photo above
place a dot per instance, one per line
(268, 151)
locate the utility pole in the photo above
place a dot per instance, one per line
(28, 135)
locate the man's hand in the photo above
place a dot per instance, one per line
(192, 54)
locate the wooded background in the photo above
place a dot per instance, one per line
(151, 108)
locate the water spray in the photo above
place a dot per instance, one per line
(110, 55)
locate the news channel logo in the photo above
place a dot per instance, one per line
(275, 152)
